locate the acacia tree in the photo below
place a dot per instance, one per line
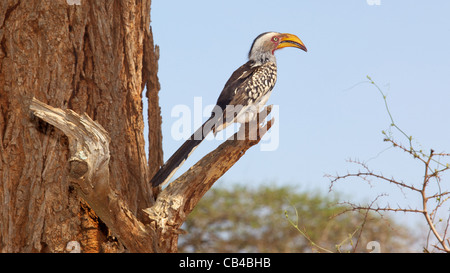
(311, 222)
(73, 167)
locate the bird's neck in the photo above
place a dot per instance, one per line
(260, 58)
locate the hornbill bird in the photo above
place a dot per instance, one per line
(242, 97)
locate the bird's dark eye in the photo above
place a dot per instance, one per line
(275, 39)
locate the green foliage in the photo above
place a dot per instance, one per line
(243, 219)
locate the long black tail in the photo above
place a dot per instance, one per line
(179, 157)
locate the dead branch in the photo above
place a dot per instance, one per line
(366, 174)
(178, 199)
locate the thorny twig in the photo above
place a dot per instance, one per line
(429, 173)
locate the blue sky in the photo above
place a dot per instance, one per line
(328, 112)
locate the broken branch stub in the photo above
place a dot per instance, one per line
(88, 144)
(89, 172)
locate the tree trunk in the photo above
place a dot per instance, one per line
(82, 176)
(88, 58)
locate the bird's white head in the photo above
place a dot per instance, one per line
(264, 46)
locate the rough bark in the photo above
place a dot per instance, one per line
(89, 172)
(88, 58)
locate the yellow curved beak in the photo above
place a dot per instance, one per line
(290, 40)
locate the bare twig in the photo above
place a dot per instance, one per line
(430, 174)
(304, 233)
